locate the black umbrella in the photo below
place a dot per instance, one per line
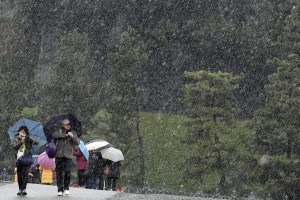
(56, 121)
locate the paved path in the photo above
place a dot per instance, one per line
(41, 192)
(9, 191)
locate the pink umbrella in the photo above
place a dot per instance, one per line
(45, 161)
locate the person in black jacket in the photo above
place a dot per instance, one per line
(91, 173)
(103, 163)
(114, 174)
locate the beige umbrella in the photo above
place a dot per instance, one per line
(97, 145)
(112, 154)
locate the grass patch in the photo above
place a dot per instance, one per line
(164, 152)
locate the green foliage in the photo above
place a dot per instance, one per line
(279, 120)
(164, 153)
(277, 127)
(178, 36)
(16, 73)
(15, 69)
(210, 95)
(30, 112)
(124, 68)
(164, 30)
(209, 98)
(101, 128)
(289, 40)
(129, 59)
(72, 82)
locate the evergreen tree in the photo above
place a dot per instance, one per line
(277, 127)
(101, 127)
(71, 88)
(288, 41)
(209, 99)
(16, 71)
(124, 87)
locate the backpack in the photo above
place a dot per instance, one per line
(51, 147)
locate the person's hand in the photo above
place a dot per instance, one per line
(70, 134)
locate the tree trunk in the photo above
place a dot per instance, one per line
(289, 147)
(141, 147)
(219, 158)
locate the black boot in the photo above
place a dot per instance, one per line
(20, 192)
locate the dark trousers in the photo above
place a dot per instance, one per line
(100, 183)
(90, 182)
(81, 177)
(63, 173)
(22, 172)
(111, 183)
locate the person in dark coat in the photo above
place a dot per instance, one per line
(114, 174)
(103, 163)
(92, 171)
(66, 141)
(23, 144)
(82, 165)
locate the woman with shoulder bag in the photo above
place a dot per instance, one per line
(23, 144)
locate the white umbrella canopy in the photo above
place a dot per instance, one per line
(97, 145)
(112, 154)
